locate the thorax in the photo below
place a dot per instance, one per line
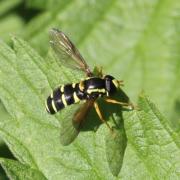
(94, 87)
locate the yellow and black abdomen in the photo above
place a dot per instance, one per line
(90, 88)
(63, 96)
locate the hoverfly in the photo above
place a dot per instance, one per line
(88, 90)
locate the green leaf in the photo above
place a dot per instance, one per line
(115, 148)
(6, 5)
(11, 24)
(46, 4)
(33, 136)
(153, 149)
(16, 170)
(137, 41)
(10, 21)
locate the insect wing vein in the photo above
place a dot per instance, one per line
(70, 129)
(66, 52)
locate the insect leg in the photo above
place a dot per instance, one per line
(100, 115)
(113, 101)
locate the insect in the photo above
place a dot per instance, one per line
(87, 90)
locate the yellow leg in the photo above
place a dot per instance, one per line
(100, 115)
(113, 101)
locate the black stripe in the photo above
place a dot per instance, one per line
(68, 93)
(49, 105)
(57, 96)
(94, 83)
(68, 89)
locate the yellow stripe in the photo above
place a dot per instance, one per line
(81, 85)
(64, 100)
(88, 78)
(47, 106)
(51, 95)
(107, 93)
(115, 82)
(102, 90)
(89, 91)
(76, 99)
(62, 88)
(53, 106)
(73, 85)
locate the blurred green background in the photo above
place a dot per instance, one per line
(137, 41)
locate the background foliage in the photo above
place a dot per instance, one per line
(137, 41)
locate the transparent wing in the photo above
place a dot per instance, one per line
(66, 52)
(71, 128)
